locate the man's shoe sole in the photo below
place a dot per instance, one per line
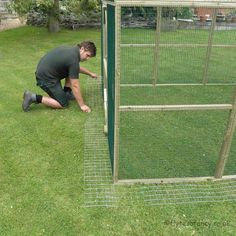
(27, 100)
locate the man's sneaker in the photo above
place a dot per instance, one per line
(28, 99)
(70, 95)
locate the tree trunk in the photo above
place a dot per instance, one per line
(53, 18)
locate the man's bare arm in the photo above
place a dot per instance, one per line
(85, 71)
(75, 86)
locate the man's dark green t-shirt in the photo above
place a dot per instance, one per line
(60, 63)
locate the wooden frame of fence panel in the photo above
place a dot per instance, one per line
(104, 41)
(104, 48)
(225, 149)
(223, 156)
(157, 46)
(173, 180)
(184, 3)
(209, 46)
(117, 92)
(189, 84)
(197, 107)
(177, 45)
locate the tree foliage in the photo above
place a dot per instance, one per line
(22, 7)
(52, 8)
(82, 6)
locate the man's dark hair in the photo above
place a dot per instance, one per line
(89, 46)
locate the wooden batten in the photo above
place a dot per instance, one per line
(173, 180)
(117, 94)
(225, 148)
(196, 107)
(174, 3)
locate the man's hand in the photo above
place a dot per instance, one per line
(93, 75)
(85, 71)
(78, 96)
(85, 108)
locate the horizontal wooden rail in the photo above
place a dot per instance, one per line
(176, 3)
(187, 84)
(177, 107)
(174, 45)
(172, 180)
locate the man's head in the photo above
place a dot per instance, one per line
(87, 50)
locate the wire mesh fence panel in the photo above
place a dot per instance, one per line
(170, 144)
(144, 95)
(184, 45)
(135, 65)
(222, 60)
(99, 190)
(222, 65)
(174, 46)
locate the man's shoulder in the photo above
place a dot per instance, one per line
(62, 48)
(70, 50)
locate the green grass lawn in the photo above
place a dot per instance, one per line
(41, 161)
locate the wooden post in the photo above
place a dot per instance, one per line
(117, 92)
(157, 47)
(225, 148)
(104, 39)
(105, 83)
(208, 53)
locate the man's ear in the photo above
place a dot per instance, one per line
(82, 49)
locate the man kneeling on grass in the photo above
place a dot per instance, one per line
(61, 63)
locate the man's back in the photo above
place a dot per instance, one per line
(60, 63)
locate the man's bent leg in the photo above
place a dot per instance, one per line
(57, 97)
(29, 98)
(50, 102)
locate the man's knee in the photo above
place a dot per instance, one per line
(56, 93)
(63, 102)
